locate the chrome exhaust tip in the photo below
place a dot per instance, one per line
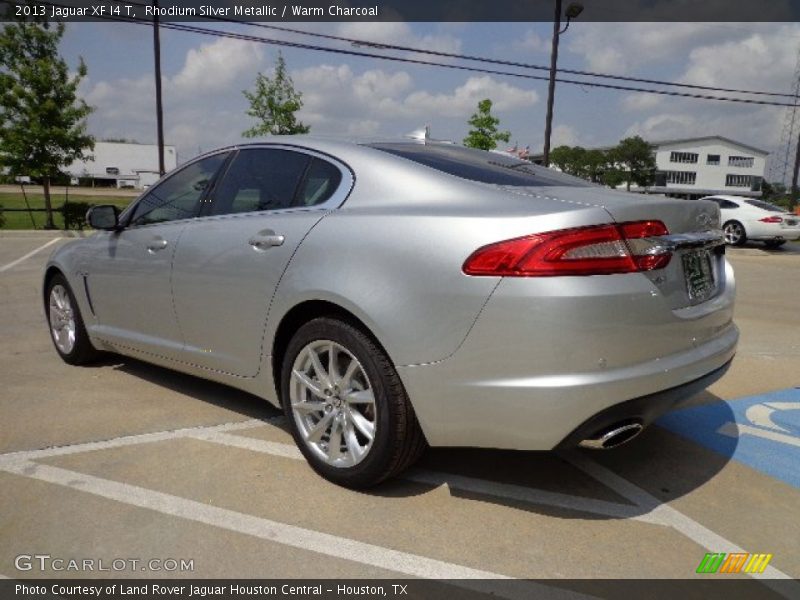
(615, 436)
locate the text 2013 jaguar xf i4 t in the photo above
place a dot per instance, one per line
(396, 294)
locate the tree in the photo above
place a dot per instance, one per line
(42, 120)
(578, 161)
(484, 134)
(274, 103)
(634, 158)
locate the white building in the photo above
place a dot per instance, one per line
(123, 164)
(708, 165)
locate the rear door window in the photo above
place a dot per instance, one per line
(260, 179)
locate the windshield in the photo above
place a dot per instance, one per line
(765, 205)
(480, 165)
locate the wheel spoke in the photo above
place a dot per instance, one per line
(361, 397)
(308, 383)
(335, 442)
(316, 432)
(344, 382)
(362, 424)
(309, 406)
(353, 447)
(322, 374)
(333, 369)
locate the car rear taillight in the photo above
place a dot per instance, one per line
(594, 250)
(771, 220)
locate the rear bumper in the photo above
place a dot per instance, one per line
(772, 231)
(643, 410)
(542, 412)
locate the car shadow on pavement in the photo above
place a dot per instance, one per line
(662, 463)
(204, 390)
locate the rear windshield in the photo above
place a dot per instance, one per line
(480, 165)
(765, 205)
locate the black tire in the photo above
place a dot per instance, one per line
(735, 225)
(774, 243)
(82, 351)
(398, 439)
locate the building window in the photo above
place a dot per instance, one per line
(740, 161)
(683, 157)
(681, 177)
(712, 159)
(739, 181)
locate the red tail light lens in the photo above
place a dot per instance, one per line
(771, 220)
(595, 250)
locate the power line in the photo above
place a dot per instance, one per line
(303, 46)
(483, 59)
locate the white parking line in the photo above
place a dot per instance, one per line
(772, 577)
(28, 255)
(282, 533)
(646, 507)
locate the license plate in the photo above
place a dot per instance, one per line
(791, 222)
(699, 275)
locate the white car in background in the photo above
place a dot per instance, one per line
(750, 219)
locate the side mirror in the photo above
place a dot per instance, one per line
(104, 216)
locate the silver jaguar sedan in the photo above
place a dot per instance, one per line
(393, 295)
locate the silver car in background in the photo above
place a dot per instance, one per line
(394, 295)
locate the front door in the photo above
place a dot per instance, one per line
(129, 278)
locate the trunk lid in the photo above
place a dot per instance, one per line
(693, 275)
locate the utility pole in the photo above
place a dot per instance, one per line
(551, 88)
(794, 192)
(159, 108)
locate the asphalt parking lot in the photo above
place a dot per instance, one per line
(123, 460)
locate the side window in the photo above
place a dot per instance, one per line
(321, 181)
(179, 195)
(260, 179)
(728, 204)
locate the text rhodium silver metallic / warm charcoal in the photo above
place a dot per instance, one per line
(394, 294)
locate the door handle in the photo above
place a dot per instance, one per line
(156, 244)
(265, 239)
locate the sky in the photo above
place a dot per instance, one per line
(203, 79)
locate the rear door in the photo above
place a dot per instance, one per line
(229, 262)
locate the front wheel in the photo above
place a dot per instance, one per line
(346, 406)
(735, 234)
(66, 324)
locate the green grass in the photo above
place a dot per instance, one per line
(22, 220)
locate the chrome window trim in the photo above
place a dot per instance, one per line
(335, 201)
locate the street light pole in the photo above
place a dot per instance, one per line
(551, 88)
(573, 10)
(159, 108)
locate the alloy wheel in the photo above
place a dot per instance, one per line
(733, 233)
(62, 319)
(333, 403)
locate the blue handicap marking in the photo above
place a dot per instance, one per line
(762, 432)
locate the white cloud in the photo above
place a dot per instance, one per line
(641, 101)
(565, 135)
(399, 33)
(465, 98)
(533, 42)
(214, 67)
